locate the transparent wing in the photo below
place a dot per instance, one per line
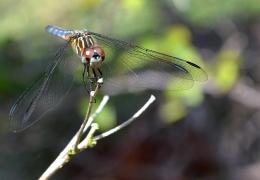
(136, 67)
(43, 95)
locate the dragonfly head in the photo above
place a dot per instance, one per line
(93, 55)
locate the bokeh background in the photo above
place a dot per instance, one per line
(208, 132)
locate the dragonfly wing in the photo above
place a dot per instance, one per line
(143, 68)
(181, 65)
(44, 94)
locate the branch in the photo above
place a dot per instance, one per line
(69, 151)
(126, 123)
(85, 123)
(76, 146)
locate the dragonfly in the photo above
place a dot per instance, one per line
(137, 67)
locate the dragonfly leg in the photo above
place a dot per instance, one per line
(100, 72)
(94, 73)
(86, 69)
(92, 80)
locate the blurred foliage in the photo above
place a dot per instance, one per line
(227, 71)
(208, 12)
(207, 131)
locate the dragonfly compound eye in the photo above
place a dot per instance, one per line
(88, 53)
(100, 52)
(93, 54)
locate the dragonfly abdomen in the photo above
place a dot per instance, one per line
(62, 33)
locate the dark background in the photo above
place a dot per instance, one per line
(207, 132)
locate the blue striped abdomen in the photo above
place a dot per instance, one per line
(62, 33)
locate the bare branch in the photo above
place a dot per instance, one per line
(64, 157)
(76, 145)
(83, 125)
(130, 120)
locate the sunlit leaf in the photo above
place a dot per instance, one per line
(173, 111)
(227, 69)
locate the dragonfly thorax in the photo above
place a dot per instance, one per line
(82, 41)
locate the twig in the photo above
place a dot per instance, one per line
(69, 151)
(83, 125)
(126, 123)
(65, 156)
(88, 141)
